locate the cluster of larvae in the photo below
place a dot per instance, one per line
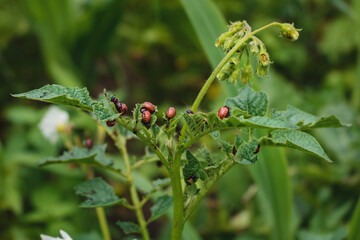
(148, 108)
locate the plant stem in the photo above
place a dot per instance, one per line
(141, 162)
(265, 27)
(212, 77)
(103, 223)
(153, 147)
(178, 216)
(139, 213)
(192, 206)
(121, 143)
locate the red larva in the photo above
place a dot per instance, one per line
(170, 113)
(159, 164)
(120, 107)
(123, 108)
(191, 180)
(148, 106)
(89, 143)
(234, 150)
(224, 112)
(146, 117)
(111, 123)
(114, 100)
(117, 106)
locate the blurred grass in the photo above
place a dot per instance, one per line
(354, 230)
(72, 39)
(208, 23)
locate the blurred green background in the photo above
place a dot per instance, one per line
(153, 51)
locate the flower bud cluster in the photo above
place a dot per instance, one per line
(237, 30)
(289, 31)
(257, 47)
(231, 70)
(246, 73)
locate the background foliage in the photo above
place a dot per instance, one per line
(154, 50)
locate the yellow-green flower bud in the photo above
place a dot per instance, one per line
(229, 43)
(246, 73)
(262, 71)
(220, 41)
(289, 31)
(226, 71)
(235, 59)
(236, 26)
(254, 46)
(264, 58)
(235, 75)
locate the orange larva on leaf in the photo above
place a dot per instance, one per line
(123, 108)
(224, 112)
(148, 106)
(111, 123)
(146, 117)
(170, 113)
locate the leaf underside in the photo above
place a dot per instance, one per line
(98, 194)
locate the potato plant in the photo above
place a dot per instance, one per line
(192, 169)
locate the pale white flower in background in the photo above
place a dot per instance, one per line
(64, 236)
(53, 119)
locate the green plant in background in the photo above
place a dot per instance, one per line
(72, 35)
(191, 168)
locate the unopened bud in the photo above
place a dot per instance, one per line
(226, 71)
(246, 73)
(254, 46)
(230, 42)
(264, 58)
(235, 75)
(220, 41)
(262, 71)
(235, 26)
(235, 59)
(289, 31)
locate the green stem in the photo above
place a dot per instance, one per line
(133, 193)
(103, 223)
(212, 77)
(178, 210)
(153, 147)
(139, 213)
(265, 27)
(141, 162)
(193, 205)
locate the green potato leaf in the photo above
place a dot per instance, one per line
(98, 194)
(295, 139)
(68, 96)
(306, 120)
(162, 204)
(94, 156)
(249, 101)
(128, 227)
